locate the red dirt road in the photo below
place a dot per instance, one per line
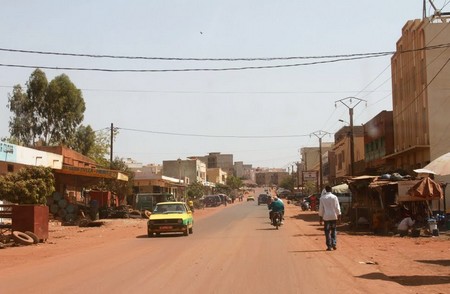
(362, 263)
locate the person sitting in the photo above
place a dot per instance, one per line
(276, 206)
(405, 225)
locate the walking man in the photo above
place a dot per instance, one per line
(329, 213)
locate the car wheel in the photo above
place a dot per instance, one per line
(186, 231)
(191, 230)
(150, 234)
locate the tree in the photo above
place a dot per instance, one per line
(234, 182)
(222, 189)
(288, 183)
(95, 145)
(30, 185)
(195, 190)
(120, 188)
(48, 113)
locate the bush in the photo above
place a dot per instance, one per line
(30, 185)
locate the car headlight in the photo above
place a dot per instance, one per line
(180, 221)
(150, 222)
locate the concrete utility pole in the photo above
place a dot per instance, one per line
(111, 151)
(348, 103)
(320, 135)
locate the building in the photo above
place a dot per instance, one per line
(378, 143)
(420, 94)
(217, 160)
(216, 176)
(243, 171)
(342, 151)
(189, 170)
(270, 177)
(310, 156)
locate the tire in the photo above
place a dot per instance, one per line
(191, 230)
(22, 238)
(149, 234)
(33, 236)
(186, 232)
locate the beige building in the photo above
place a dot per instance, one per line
(342, 152)
(421, 94)
(190, 170)
(216, 176)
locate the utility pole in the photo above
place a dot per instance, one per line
(320, 135)
(348, 103)
(111, 151)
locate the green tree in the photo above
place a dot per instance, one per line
(222, 189)
(46, 112)
(120, 188)
(95, 145)
(234, 182)
(288, 183)
(195, 190)
(30, 185)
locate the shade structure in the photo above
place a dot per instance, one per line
(440, 166)
(427, 189)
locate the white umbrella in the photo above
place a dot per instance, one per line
(439, 166)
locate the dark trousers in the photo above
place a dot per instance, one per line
(329, 228)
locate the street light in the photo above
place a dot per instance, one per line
(350, 111)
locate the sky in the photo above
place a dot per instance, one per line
(166, 107)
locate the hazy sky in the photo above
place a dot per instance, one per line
(261, 115)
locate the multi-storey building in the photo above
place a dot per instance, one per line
(379, 142)
(421, 94)
(342, 150)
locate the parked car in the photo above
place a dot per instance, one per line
(212, 200)
(263, 198)
(170, 217)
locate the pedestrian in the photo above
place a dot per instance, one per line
(330, 214)
(405, 225)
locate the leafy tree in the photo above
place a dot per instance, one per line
(222, 189)
(195, 190)
(234, 182)
(30, 185)
(95, 145)
(288, 183)
(46, 112)
(120, 188)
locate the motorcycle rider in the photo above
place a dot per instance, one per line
(276, 206)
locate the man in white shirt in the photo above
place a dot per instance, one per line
(404, 226)
(329, 213)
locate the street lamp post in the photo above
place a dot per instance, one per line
(348, 103)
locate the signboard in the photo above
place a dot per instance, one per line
(310, 176)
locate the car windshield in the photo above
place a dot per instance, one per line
(169, 208)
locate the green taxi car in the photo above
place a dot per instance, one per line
(170, 217)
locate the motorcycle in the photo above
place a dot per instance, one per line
(276, 219)
(305, 205)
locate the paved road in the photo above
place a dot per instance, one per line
(232, 251)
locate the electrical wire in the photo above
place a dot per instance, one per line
(211, 136)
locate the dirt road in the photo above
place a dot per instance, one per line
(231, 251)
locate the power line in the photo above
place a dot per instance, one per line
(189, 69)
(338, 58)
(212, 136)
